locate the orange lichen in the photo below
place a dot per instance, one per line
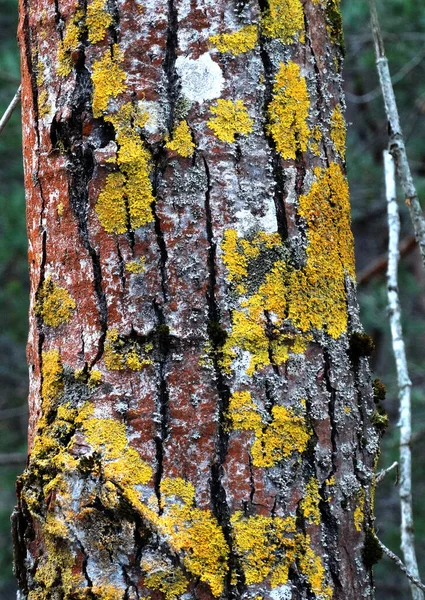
(284, 20)
(286, 434)
(263, 546)
(236, 42)
(288, 112)
(181, 141)
(231, 118)
(54, 304)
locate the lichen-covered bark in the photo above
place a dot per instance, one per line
(201, 411)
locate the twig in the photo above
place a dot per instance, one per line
(12, 458)
(417, 582)
(379, 266)
(397, 146)
(404, 383)
(9, 110)
(382, 474)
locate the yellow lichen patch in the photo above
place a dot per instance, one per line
(136, 267)
(182, 142)
(338, 130)
(310, 503)
(316, 138)
(194, 532)
(121, 353)
(288, 112)
(126, 200)
(69, 44)
(94, 379)
(359, 511)
(169, 580)
(97, 20)
(43, 104)
(236, 42)
(320, 289)
(231, 118)
(54, 304)
(263, 546)
(52, 373)
(312, 567)
(286, 434)
(107, 592)
(109, 80)
(284, 20)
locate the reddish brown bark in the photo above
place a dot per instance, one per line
(135, 334)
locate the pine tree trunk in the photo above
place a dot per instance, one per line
(201, 411)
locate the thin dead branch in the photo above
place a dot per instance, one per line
(9, 110)
(414, 580)
(403, 379)
(397, 145)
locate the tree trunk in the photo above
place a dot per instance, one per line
(201, 411)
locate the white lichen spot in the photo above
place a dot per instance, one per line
(283, 592)
(201, 79)
(156, 118)
(247, 222)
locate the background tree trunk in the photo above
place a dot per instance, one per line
(200, 403)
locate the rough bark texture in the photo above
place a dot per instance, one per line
(202, 416)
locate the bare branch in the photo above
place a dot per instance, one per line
(415, 581)
(397, 146)
(404, 383)
(12, 458)
(382, 474)
(9, 110)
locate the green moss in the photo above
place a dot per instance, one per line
(371, 552)
(334, 22)
(379, 391)
(217, 334)
(361, 346)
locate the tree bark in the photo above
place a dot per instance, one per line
(202, 421)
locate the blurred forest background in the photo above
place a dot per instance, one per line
(403, 23)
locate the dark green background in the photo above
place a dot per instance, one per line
(403, 23)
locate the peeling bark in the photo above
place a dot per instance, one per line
(201, 411)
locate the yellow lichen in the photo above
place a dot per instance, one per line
(52, 372)
(359, 511)
(312, 567)
(171, 581)
(69, 44)
(310, 503)
(97, 20)
(125, 202)
(109, 80)
(43, 104)
(288, 112)
(231, 118)
(284, 20)
(316, 139)
(182, 142)
(94, 379)
(236, 42)
(136, 267)
(286, 434)
(107, 592)
(263, 546)
(195, 532)
(121, 353)
(54, 304)
(338, 130)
